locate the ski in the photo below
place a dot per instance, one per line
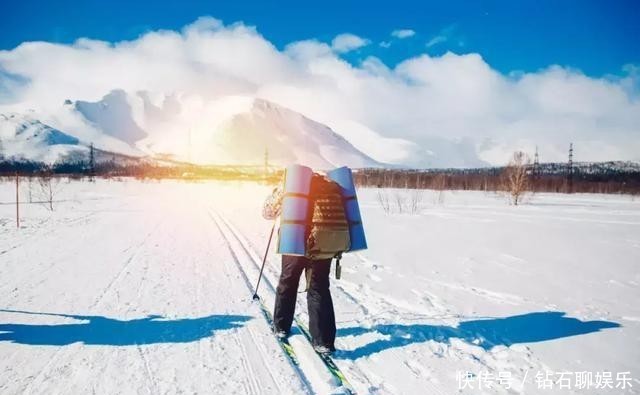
(327, 360)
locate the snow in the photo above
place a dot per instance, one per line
(149, 276)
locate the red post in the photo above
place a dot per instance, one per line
(17, 201)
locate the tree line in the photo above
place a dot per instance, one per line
(582, 178)
(140, 169)
(520, 175)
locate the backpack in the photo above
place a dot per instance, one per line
(328, 231)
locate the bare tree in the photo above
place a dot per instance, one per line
(383, 199)
(30, 186)
(438, 184)
(415, 200)
(400, 201)
(48, 184)
(405, 179)
(392, 179)
(516, 178)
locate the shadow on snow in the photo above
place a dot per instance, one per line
(98, 330)
(487, 333)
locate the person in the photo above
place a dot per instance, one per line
(322, 322)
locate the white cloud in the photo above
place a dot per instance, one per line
(436, 40)
(348, 42)
(403, 33)
(445, 34)
(448, 110)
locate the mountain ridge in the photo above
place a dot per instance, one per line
(231, 130)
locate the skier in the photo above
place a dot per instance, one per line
(322, 322)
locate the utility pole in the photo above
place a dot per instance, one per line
(189, 146)
(266, 162)
(535, 173)
(570, 169)
(17, 200)
(92, 162)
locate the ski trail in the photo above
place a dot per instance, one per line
(42, 371)
(266, 363)
(300, 373)
(152, 387)
(253, 386)
(65, 353)
(253, 336)
(44, 269)
(41, 233)
(258, 376)
(124, 268)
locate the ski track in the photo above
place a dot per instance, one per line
(151, 386)
(302, 376)
(247, 338)
(124, 268)
(42, 371)
(38, 233)
(229, 280)
(62, 353)
(308, 357)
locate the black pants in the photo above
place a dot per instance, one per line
(322, 320)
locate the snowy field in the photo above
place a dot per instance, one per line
(132, 287)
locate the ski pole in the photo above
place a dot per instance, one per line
(264, 260)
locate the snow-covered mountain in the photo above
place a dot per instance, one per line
(288, 136)
(24, 137)
(228, 130)
(113, 116)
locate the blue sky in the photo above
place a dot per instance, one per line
(596, 37)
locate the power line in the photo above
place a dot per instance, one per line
(536, 163)
(570, 169)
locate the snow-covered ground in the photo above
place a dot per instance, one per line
(133, 287)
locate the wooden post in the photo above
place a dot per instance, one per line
(17, 201)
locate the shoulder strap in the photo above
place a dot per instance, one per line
(296, 194)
